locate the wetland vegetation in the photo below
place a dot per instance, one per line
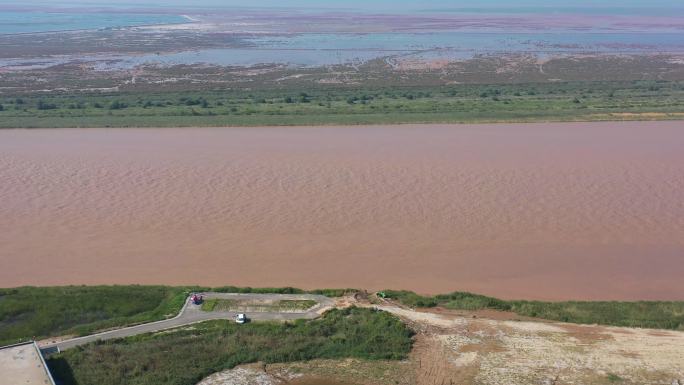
(571, 101)
(643, 314)
(187, 355)
(38, 312)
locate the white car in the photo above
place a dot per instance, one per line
(241, 318)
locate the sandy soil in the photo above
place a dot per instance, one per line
(552, 211)
(453, 349)
(317, 372)
(494, 349)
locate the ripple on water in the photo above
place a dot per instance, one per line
(538, 211)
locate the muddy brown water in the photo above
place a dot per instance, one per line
(544, 211)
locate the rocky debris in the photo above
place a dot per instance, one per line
(247, 375)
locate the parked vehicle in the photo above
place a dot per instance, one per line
(241, 318)
(197, 299)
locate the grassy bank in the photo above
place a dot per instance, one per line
(645, 314)
(38, 312)
(186, 356)
(317, 106)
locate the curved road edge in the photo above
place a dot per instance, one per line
(190, 314)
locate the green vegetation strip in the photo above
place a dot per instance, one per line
(644, 314)
(39, 312)
(221, 304)
(569, 101)
(186, 356)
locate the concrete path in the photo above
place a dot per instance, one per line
(191, 313)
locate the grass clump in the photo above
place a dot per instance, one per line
(209, 304)
(296, 304)
(644, 314)
(281, 290)
(333, 292)
(222, 304)
(455, 300)
(187, 355)
(257, 290)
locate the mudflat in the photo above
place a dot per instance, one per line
(539, 211)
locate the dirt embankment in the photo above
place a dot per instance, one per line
(453, 348)
(490, 348)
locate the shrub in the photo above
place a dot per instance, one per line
(43, 105)
(117, 105)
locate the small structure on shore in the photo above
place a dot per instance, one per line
(23, 363)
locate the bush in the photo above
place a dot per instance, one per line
(43, 105)
(333, 292)
(117, 105)
(263, 290)
(411, 299)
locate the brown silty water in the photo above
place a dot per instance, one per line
(548, 211)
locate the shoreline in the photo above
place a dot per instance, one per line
(338, 293)
(189, 21)
(542, 211)
(675, 118)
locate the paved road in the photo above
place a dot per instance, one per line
(191, 313)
